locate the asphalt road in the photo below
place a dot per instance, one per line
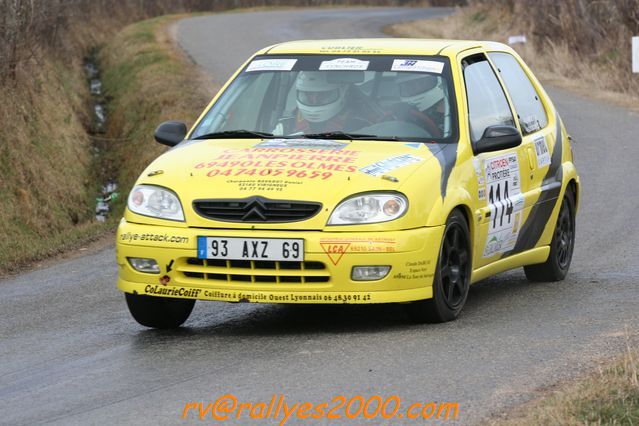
(71, 354)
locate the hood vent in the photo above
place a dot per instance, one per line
(256, 210)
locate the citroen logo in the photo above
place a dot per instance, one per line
(255, 210)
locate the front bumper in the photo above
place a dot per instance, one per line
(323, 277)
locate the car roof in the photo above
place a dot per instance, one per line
(381, 46)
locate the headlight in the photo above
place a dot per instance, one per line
(155, 201)
(369, 208)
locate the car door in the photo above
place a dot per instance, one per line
(541, 137)
(502, 176)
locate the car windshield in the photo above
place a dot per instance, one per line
(372, 97)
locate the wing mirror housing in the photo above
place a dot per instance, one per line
(496, 138)
(170, 133)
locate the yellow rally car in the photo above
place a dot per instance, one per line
(354, 171)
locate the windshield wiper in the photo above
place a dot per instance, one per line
(336, 135)
(343, 135)
(235, 134)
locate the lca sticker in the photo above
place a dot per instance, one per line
(271, 65)
(349, 64)
(335, 251)
(415, 65)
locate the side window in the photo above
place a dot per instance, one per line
(487, 103)
(530, 111)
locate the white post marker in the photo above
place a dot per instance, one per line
(635, 54)
(517, 39)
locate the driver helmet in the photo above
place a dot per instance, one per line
(318, 100)
(420, 90)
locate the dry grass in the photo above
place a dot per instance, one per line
(554, 62)
(46, 183)
(609, 396)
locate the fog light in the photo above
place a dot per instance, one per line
(369, 273)
(150, 266)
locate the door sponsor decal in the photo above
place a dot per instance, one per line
(481, 181)
(542, 152)
(541, 211)
(505, 202)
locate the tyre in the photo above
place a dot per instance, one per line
(159, 312)
(452, 275)
(561, 245)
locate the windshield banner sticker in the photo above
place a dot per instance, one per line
(271, 65)
(505, 202)
(349, 64)
(384, 166)
(417, 66)
(302, 143)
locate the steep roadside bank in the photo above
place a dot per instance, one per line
(50, 184)
(46, 180)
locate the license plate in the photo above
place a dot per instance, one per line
(275, 249)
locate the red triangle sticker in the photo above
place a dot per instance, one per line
(335, 251)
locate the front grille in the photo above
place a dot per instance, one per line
(256, 210)
(254, 271)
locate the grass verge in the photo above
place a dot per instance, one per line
(46, 182)
(609, 396)
(552, 61)
(47, 178)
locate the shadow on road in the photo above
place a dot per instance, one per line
(508, 292)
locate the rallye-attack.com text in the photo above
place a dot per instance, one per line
(229, 407)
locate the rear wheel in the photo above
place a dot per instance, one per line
(159, 312)
(561, 245)
(452, 275)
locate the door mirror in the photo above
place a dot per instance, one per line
(496, 138)
(170, 133)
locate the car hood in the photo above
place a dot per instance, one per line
(307, 170)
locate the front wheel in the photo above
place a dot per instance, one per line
(452, 275)
(159, 312)
(562, 245)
